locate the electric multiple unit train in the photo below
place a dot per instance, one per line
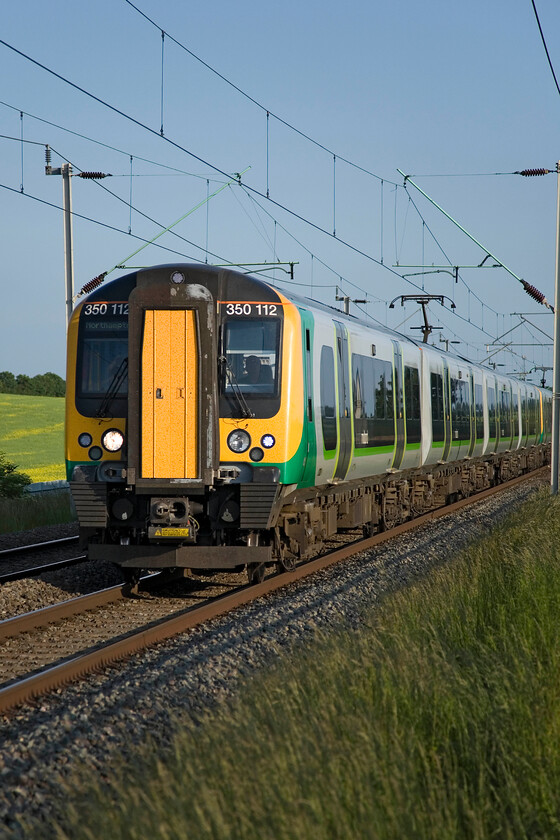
(216, 422)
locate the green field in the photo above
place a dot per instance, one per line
(32, 435)
(438, 718)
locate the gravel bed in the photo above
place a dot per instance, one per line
(112, 712)
(21, 562)
(36, 535)
(21, 596)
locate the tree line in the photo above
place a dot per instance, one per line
(42, 385)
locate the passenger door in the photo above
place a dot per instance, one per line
(169, 394)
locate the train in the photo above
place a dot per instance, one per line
(216, 422)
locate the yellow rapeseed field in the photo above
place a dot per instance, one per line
(32, 435)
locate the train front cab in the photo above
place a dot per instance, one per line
(189, 492)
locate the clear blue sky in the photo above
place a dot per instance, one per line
(450, 93)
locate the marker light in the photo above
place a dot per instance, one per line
(112, 440)
(85, 439)
(95, 453)
(268, 441)
(256, 454)
(177, 277)
(239, 440)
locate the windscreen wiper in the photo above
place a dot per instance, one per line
(236, 390)
(113, 389)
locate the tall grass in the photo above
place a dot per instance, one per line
(438, 718)
(35, 510)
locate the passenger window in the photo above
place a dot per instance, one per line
(372, 394)
(438, 426)
(479, 412)
(412, 404)
(492, 416)
(328, 399)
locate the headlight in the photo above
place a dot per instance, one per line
(239, 440)
(112, 440)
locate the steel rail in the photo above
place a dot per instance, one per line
(19, 549)
(78, 666)
(38, 570)
(19, 624)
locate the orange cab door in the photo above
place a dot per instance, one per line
(169, 394)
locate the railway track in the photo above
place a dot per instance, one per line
(80, 663)
(33, 571)
(7, 553)
(13, 561)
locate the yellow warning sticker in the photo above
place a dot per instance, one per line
(172, 532)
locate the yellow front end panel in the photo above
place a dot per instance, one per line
(169, 430)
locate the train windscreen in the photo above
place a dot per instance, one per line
(101, 367)
(251, 372)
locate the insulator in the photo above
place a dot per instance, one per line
(528, 173)
(48, 155)
(92, 284)
(93, 176)
(534, 292)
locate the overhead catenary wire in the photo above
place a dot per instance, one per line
(179, 253)
(174, 169)
(250, 98)
(94, 221)
(89, 287)
(178, 146)
(129, 203)
(531, 290)
(448, 259)
(298, 216)
(368, 315)
(173, 143)
(165, 229)
(305, 248)
(545, 46)
(215, 168)
(102, 186)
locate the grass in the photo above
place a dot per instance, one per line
(35, 510)
(32, 435)
(439, 718)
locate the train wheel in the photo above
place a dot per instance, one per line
(132, 579)
(256, 572)
(286, 564)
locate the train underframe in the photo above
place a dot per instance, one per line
(255, 525)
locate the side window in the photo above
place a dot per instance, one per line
(460, 409)
(479, 412)
(532, 416)
(438, 427)
(492, 413)
(363, 389)
(328, 398)
(412, 404)
(505, 414)
(373, 402)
